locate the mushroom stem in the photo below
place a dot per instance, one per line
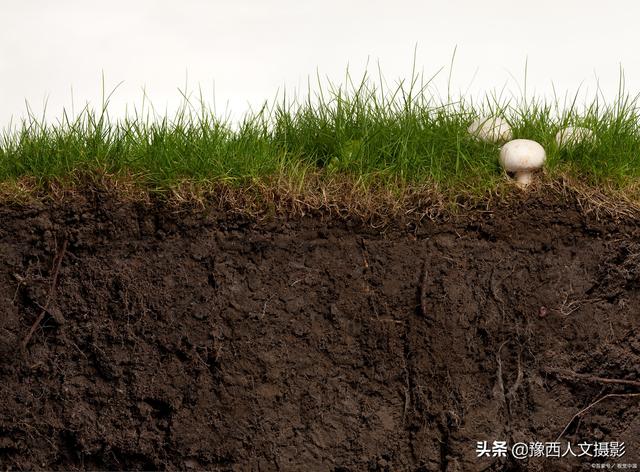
(523, 178)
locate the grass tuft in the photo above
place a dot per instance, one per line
(384, 139)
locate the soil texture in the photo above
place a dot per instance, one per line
(137, 336)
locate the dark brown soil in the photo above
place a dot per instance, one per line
(196, 339)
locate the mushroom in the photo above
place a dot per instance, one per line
(490, 129)
(522, 157)
(573, 135)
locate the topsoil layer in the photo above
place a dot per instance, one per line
(197, 339)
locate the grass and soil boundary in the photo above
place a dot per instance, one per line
(352, 284)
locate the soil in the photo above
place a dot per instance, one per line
(192, 338)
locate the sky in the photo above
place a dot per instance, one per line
(240, 53)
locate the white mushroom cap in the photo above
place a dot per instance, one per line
(573, 135)
(522, 156)
(490, 129)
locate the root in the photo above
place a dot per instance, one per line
(500, 382)
(407, 396)
(508, 396)
(587, 408)
(569, 306)
(388, 320)
(406, 369)
(511, 394)
(568, 374)
(52, 288)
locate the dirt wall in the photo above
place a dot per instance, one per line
(182, 338)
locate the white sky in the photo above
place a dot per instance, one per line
(248, 49)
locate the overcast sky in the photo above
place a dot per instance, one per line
(249, 49)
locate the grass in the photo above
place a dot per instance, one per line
(374, 137)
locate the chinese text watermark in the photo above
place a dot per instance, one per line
(522, 450)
